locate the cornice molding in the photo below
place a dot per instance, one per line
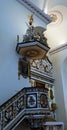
(42, 76)
(37, 11)
(58, 49)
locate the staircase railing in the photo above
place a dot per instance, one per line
(25, 103)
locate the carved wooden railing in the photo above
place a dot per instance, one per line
(29, 101)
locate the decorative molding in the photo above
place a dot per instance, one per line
(58, 49)
(42, 76)
(54, 125)
(34, 9)
(43, 65)
(32, 50)
(57, 18)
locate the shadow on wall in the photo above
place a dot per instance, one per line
(23, 126)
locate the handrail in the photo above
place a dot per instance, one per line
(17, 107)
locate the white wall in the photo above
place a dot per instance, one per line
(13, 18)
(60, 85)
(64, 79)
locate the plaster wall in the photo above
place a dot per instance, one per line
(64, 79)
(13, 22)
(60, 84)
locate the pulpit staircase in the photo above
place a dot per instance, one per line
(26, 104)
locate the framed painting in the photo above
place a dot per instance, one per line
(44, 100)
(31, 100)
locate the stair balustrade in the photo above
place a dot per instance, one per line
(27, 102)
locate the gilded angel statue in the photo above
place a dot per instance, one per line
(30, 17)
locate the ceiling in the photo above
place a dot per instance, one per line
(49, 4)
(56, 30)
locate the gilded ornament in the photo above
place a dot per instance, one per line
(53, 106)
(51, 94)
